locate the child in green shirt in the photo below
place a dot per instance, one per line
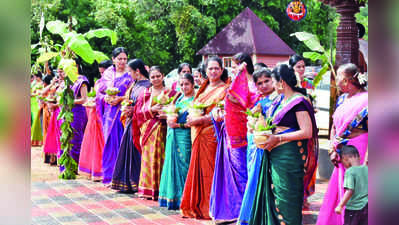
(356, 185)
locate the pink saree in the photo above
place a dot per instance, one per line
(236, 119)
(347, 116)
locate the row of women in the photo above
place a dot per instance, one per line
(206, 165)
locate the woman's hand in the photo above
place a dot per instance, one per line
(271, 142)
(162, 115)
(172, 124)
(156, 108)
(194, 121)
(218, 114)
(113, 100)
(242, 66)
(366, 158)
(334, 157)
(128, 110)
(51, 106)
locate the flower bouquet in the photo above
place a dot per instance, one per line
(112, 91)
(263, 127)
(163, 98)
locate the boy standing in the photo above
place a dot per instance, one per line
(356, 185)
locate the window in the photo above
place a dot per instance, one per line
(227, 62)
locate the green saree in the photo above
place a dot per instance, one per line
(279, 195)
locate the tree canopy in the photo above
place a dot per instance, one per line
(166, 33)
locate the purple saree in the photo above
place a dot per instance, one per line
(230, 176)
(112, 126)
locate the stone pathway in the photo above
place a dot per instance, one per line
(81, 201)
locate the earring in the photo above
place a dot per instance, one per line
(281, 87)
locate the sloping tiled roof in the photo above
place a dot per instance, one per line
(246, 33)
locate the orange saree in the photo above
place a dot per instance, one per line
(197, 190)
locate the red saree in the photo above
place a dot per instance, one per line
(197, 190)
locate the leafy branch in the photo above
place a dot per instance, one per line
(326, 57)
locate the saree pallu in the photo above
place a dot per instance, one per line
(36, 130)
(280, 191)
(92, 146)
(349, 114)
(112, 127)
(197, 190)
(229, 180)
(177, 161)
(52, 144)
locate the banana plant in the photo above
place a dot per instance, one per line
(75, 44)
(326, 57)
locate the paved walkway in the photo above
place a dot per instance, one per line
(81, 201)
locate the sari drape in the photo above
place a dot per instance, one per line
(231, 175)
(254, 161)
(92, 146)
(36, 130)
(127, 169)
(177, 160)
(285, 172)
(112, 126)
(197, 190)
(349, 114)
(152, 142)
(52, 144)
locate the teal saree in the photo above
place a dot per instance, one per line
(177, 160)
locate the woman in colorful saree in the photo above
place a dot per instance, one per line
(297, 62)
(52, 144)
(350, 127)
(117, 79)
(149, 116)
(197, 190)
(182, 69)
(230, 177)
(263, 82)
(178, 147)
(46, 112)
(289, 153)
(36, 110)
(80, 89)
(90, 160)
(127, 169)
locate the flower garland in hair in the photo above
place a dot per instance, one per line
(361, 77)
